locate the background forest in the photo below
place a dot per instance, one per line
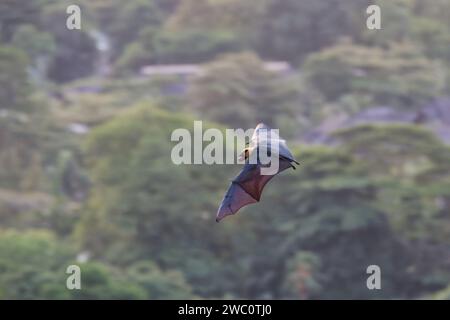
(85, 171)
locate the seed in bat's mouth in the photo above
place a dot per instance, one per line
(244, 155)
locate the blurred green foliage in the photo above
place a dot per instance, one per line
(237, 90)
(399, 76)
(86, 176)
(14, 85)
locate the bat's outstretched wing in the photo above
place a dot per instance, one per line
(246, 188)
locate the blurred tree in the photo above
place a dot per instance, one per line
(418, 161)
(20, 163)
(291, 28)
(236, 90)
(74, 58)
(322, 209)
(31, 264)
(241, 18)
(130, 18)
(433, 36)
(402, 151)
(301, 281)
(98, 281)
(175, 48)
(138, 193)
(399, 76)
(76, 52)
(140, 198)
(13, 13)
(412, 166)
(23, 123)
(438, 11)
(70, 180)
(14, 86)
(192, 46)
(34, 266)
(157, 283)
(440, 295)
(381, 196)
(399, 11)
(39, 46)
(134, 57)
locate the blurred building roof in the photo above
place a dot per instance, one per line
(171, 69)
(195, 69)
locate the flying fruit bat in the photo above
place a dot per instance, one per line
(246, 188)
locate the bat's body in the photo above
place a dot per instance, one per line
(247, 187)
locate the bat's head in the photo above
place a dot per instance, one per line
(245, 154)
